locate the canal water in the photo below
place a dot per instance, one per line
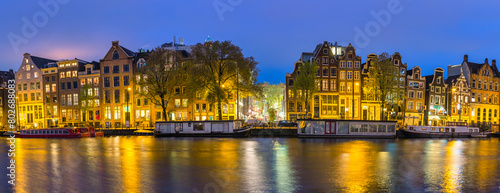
(148, 164)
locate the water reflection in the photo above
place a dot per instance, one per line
(147, 164)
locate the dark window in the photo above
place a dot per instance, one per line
(75, 85)
(116, 81)
(333, 72)
(138, 102)
(125, 81)
(106, 81)
(290, 82)
(53, 78)
(62, 86)
(106, 69)
(54, 98)
(116, 69)
(69, 85)
(145, 101)
(47, 79)
(89, 70)
(117, 96)
(116, 55)
(126, 68)
(107, 97)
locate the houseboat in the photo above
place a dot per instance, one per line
(332, 128)
(201, 129)
(54, 133)
(451, 130)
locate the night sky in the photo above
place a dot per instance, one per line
(426, 33)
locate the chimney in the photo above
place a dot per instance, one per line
(174, 41)
(486, 60)
(466, 58)
(11, 71)
(114, 43)
(493, 62)
(181, 41)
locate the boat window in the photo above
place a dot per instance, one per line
(391, 128)
(198, 127)
(440, 129)
(411, 128)
(433, 129)
(364, 128)
(381, 128)
(355, 128)
(373, 128)
(65, 131)
(452, 129)
(424, 128)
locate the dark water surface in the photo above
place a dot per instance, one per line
(147, 164)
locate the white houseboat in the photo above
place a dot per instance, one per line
(451, 130)
(325, 128)
(200, 129)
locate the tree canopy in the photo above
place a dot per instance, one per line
(382, 82)
(159, 77)
(219, 69)
(305, 83)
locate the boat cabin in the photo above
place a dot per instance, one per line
(346, 128)
(196, 127)
(451, 127)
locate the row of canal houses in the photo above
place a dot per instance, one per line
(469, 93)
(49, 92)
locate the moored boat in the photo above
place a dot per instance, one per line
(229, 128)
(451, 130)
(332, 128)
(144, 132)
(479, 135)
(76, 132)
(54, 133)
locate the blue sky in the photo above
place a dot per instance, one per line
(428, 34)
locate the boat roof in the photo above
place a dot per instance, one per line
(343, 120)
(207, 121)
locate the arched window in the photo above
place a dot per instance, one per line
(116, 55)
(141, 63)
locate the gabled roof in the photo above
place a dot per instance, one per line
(451, 79)
(127, 51)
(429, 79)
(409, 72)
(40, 62)
(474, 67)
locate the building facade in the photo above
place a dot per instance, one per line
(435, 98)
(339, 84)
(90, 104)
(116, 72)
(415, 98)
(483, 80)
(5, 76)
(29, 91)
(50, 88)
(458, 99)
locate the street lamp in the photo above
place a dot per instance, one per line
(128, 107)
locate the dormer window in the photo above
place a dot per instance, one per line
(349, 56)
(325, 51)
(439, 80)
(396, 62)
(28, 67)
(416, 76)
(141, 63)
(89, 70)
(116, 55)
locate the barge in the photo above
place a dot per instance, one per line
(201, 129)
(451, 130)
(332, 128)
